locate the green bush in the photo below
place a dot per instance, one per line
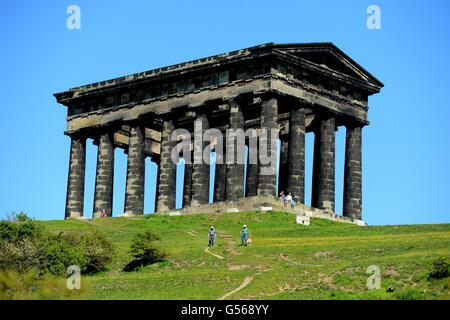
(15, 231)
(20, 256)
(144, 250)
(96, 248)
(25, 246)
(58, 254)
(439, 268)
(21, 216)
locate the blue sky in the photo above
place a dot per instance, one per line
(405, 149)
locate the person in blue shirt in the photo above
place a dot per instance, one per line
(212, 236)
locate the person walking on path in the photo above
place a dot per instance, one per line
(212, 236)
(244, 235)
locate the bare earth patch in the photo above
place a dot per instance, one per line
(238, 267)
(322, 253)
(391, 273)
(215, 255)
(282, 256)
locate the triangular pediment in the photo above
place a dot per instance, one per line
(329, 57)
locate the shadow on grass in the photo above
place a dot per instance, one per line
(135, 264)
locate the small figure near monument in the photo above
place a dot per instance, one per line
(244, 235)
(212, 236)
(283, 198)
(290, 200)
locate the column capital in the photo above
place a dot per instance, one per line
(354, 124)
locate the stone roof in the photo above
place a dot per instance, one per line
(323, 55)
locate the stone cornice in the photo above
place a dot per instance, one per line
(367, 82)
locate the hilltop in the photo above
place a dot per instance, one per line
(326, 260)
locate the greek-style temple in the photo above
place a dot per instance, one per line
(295, 88)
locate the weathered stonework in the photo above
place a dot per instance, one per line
(75, 184)
(284, 167)
(269, 117)
(187, 188)
(235, 170)
(200, 171)
(296, 166)
(251, 187)
(103, 196)
(220, 182)
(295, 88)
(324, 162)
(167, 169)
(134, 193)
(353, 173)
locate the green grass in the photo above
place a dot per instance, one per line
(328, 260)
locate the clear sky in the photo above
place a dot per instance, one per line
(406, 171)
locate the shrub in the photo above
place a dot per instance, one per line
(58, 254)
(439, 268)
(24, 246)
(20, 255)
(14, 231)
(144, 250)
(21, 216)
(96, 248)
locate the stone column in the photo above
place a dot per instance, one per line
(103, 197)
(157, 161)
(75, 185)
(220, 182)
(353, 173)
(323, 165)
(283, 174)
(134, 193)
(200, 169)
(167, 169)
(235, 153)
(187, 185)
(296, 166)
(251, 186)
(267, 178)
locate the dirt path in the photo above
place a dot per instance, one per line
(89, 222)
(247, 280)
(229, 242)
(215, 255)
(299, 264)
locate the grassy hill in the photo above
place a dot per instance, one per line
(327, 260)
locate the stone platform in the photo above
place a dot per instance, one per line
(262, 203)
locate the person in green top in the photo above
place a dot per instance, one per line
(244, 235)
